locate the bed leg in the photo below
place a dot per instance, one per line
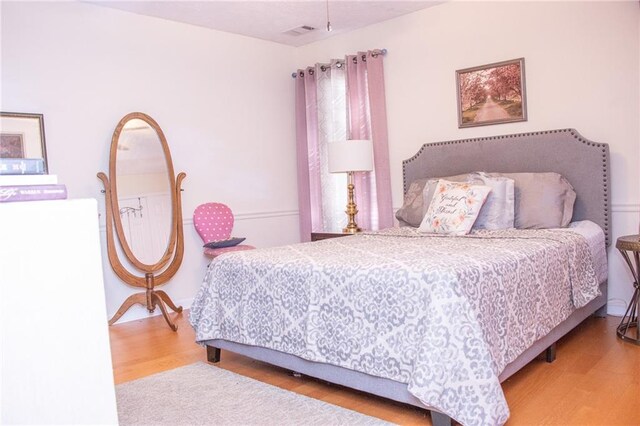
(213, 354)
(440, 419)
(550, 353)
(602, 312)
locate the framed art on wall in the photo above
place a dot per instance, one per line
(22, 136)
(491, 94)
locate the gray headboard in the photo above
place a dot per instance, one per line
(584, 163)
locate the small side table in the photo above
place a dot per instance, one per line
(317, 236)
(628, 246)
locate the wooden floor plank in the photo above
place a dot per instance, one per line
(595, 379)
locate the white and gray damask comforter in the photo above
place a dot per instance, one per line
(443, 314)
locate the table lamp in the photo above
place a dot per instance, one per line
(349, 157)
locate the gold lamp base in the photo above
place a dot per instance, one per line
(352, 210)
(348, 230)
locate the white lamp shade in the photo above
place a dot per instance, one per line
(350, 156)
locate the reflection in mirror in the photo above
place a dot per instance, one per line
(143, 189)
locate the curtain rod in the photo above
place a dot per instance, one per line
(375, 53)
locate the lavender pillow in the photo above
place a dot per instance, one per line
(542, 200)
(411, 211)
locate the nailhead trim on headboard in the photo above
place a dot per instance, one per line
(572, 132)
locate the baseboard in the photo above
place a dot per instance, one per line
(616, 308)
(138, 312)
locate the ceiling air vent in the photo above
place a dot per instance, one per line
(304, 29)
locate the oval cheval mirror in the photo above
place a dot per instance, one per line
(143, 204)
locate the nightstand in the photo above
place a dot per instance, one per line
(630, 244)
(317, 236)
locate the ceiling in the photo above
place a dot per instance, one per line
(271, 19)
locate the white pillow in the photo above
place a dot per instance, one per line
(454, 208)
(498, 211)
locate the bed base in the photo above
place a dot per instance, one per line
(546, 151)
(391, 389)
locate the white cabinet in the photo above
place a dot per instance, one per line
(55, 355)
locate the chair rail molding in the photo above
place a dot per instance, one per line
(238, 216)
(625, 207)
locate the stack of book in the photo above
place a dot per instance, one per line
(23, 179)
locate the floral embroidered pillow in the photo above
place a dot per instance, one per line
(454, 208)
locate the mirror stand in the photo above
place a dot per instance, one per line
(151, 298)
(141, 179)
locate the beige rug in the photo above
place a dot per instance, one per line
(201, 394)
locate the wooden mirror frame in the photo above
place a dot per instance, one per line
(175, 248)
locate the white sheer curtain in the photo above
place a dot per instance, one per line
(332, 126)
(340, 101)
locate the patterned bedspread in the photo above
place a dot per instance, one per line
(443, 314)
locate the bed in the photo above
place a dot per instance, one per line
(405, 352)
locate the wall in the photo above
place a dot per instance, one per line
(582, 68)
(224, 102)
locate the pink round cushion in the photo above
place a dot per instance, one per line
(217, 252)
(213, 221)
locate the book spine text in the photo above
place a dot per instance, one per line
(32, 193)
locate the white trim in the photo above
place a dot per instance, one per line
(266, 215)
(625, 208)
(142, 313)
(238, 216)
(616, 307)
(615, 208)
(254, 215)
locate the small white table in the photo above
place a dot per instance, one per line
(56, 360)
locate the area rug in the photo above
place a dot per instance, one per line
(202, 394)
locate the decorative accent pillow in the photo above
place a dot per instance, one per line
(413, 209)
(498, 211)
(542, 200)
(454, 208)
(430, 189)
(224, 243)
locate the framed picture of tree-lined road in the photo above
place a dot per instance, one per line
(491, 94)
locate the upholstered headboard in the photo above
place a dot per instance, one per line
(584, 163)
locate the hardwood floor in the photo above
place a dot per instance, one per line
(595, 379)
